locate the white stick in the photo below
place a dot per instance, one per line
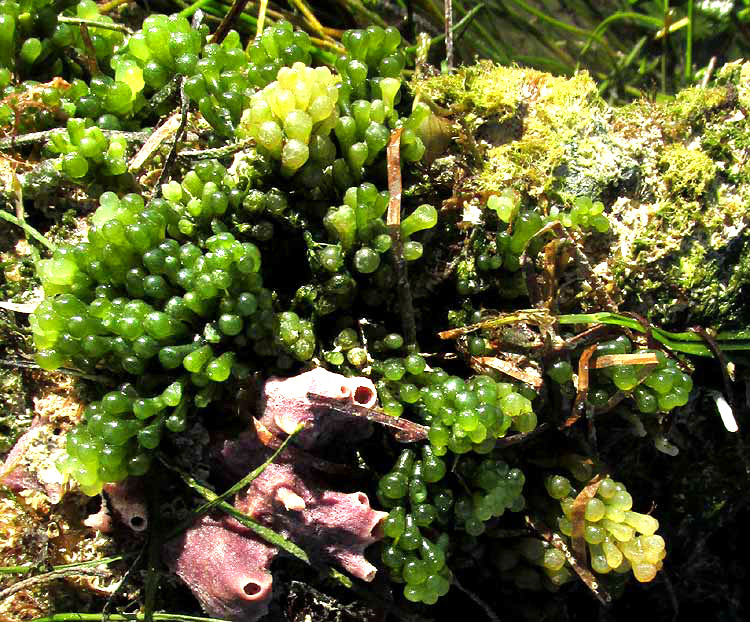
(726, 413)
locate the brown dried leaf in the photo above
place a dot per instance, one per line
(540, 317)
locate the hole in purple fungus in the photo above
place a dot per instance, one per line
(363, 395)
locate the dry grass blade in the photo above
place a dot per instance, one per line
(616, 360)
(394, 178)
(149, 148)
(529, 374)
(20, 307)
(52, 576)
(540, 317)
(578, 516)
(583, 386)
(405, 431)
(393, 220)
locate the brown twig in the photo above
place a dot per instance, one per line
(583, 573)
(405, 431)
(483, 605)
(721, 357)
(172, 156)
(90, 56)
(226, 24)
(514, 439)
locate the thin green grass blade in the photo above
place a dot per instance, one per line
(264, 532)
(686, 341)
(28, 229)
(88, 564)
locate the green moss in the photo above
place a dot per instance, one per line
(687, 172)
(525, 122)
(727, 141)
(692, 108)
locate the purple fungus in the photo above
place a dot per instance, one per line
(286, 404)
(225, 566)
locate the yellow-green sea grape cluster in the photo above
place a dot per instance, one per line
(659, 388)
(586, 214)
(278, 46)
(618, 539)
(292, 117)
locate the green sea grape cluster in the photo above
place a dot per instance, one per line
(36, 46)
(659, 388)
(517, 227)
(121, 432)
(422, 500)
(466, 418)
(172, 290)
(33, 41)
(84, 151)
(410, 555)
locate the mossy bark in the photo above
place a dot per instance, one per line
(673, 176)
